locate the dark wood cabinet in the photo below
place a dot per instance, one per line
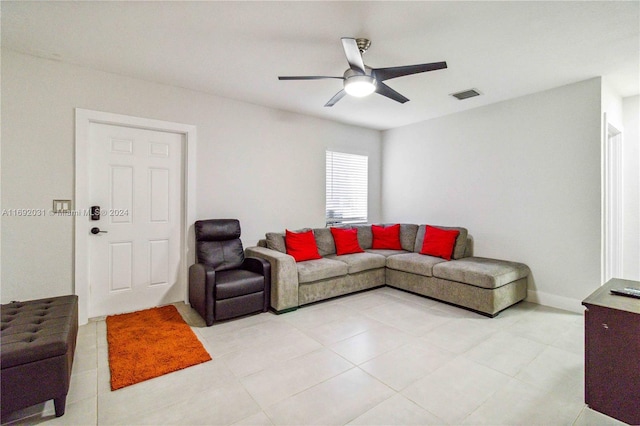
(612, 352)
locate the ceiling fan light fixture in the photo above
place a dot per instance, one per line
(360, 80)
(360, 85)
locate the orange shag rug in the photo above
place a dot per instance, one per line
(150, 343)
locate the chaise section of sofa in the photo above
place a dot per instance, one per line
(484, 285)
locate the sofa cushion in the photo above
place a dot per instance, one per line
(365, 235)
(386, 237)
(461, 241)
(481, 272)
(237, 282)
(414, 263)
(325, 241)
(320, 269)
(385, 252)
(346, 241)
(301, 245)
(358, 262)
(275, 241)
(439, 242)
(408, 233)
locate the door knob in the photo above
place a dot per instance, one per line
(96, 230)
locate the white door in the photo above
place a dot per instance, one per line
(135, 177)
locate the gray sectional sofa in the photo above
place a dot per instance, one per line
(484, 285)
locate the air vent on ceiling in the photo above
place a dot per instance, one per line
(466, 94)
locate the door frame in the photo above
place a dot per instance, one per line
(84, 118)
(612, 202)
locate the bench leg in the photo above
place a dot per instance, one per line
(60, 404)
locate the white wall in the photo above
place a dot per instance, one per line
(262, 166)
(631, 196)
(612, 105)
(522, 175)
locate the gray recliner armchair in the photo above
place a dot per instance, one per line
(224, 283)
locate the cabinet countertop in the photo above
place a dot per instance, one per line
(603, 297)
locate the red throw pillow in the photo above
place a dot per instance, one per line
(439, 242)
(301, 245)
(386, 237)
(346, 241)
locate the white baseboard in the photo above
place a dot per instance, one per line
(555, 301)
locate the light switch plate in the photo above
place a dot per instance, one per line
(61, 206)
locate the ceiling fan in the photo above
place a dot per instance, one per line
(361, 80)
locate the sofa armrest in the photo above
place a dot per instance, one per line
(202, 278)
(468, 249)
(284, 277)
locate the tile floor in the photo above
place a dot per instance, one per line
(383, 357)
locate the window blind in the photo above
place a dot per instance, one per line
(347, 184)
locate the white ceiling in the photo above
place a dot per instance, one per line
(237, 49)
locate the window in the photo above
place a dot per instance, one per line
(347, 178)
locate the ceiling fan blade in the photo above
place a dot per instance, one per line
(307, 77)
(354, 57)
(335, 98)
(387, 91)
(382, 74)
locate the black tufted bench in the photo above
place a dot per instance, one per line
(38, 340)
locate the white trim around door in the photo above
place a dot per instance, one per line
(84, 118)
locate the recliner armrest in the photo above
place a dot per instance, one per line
(262, 267)
(256, 264)
(202, 279)
(284, 277)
